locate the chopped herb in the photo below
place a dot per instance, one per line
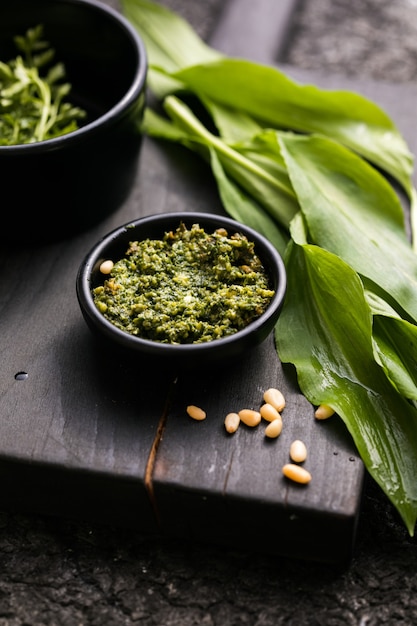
(32, 107)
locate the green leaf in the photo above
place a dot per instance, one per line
(352, 211)
(161, 84)
(326, 332)
(233, 125)
(273, 193)
(413, 217)
(264, 149)
(395, 343)
(350, 118)
(238, 203)
(243, 208)
(6, 72)
(273, 99)
(171, 43)
(56, 73)
(160, 127)
(42, 59)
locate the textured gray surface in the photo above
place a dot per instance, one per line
(59, 572)
(367, 38)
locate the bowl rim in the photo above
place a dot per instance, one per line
(136, 87)
(123, 338)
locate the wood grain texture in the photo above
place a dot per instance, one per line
(230, 488)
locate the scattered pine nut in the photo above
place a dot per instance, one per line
(275, 398)
(196, 413)
(106, 267)
(323, 412)
(274, 428)
(298, 451)
(296, 473)
(268, 412)
(250, 417)
(231, 422)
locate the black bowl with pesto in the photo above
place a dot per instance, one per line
(185, 352)
(80, 177)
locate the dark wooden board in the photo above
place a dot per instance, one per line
(89, 435)
(78, 436)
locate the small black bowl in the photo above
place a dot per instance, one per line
(81, 177)
(114, 246)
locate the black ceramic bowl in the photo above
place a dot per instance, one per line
(114, 246)
(79, 178)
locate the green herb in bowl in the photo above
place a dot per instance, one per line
(33, 106)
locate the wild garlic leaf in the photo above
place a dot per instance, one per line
(352, 211)
(274, 194)
(239, 204)
(243, 207)
(239, 85)
(264, 149)
(395, 343)
(161, 84)
(155, 125)
(232, 124)
(345, 116)
(326, 332)
(170, 41)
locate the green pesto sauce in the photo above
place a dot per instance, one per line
(189, 287)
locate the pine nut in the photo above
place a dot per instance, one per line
(196, 413)
(276, 398)
(274, 428)
(250, 417)
(298, 451)
(268, 412)
(231, 422)
(296, 473)
(323, 412)
(106, 267)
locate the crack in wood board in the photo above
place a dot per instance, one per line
(150, 464)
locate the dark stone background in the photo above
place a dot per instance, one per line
(363, 38)
(66, 573)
